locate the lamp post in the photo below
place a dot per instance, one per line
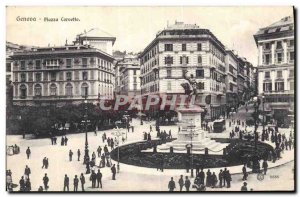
(86, 159)
(255, 167)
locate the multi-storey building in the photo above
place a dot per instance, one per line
(241, 79)
(231, 79)
(128, 76)
(62, 75)
(276, 68)
(185, 47)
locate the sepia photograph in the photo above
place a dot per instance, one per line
(106, 99)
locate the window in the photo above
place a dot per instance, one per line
(53, 76)
(23, 67)
(279, 57)
(38, 77)
(84, 76)
(199, 59)
(279, 74)
(291, 73)
(69, 89)
(23, 91)
(267, 46)
(8, 67)
(168, 47)
(267, 87)
(231, 87)
(199, 47)
(53, 89)
(38, 90)
(267, 58)
(169, 73)
(69, 63)
(279, 86)
(134, 79)
(279, 45)
(201, 85)
(169, 85)
(23, 77)
(134, 72)
(184, 60)
(292, 56)
(38, 64)
(234, 79)
(84, 89)
(291, 43)
(183, 47)
(291, 85)
(267, 75)
(69, 76)
(134, 87)
(199, 73)
(169, 60)
(84, 62)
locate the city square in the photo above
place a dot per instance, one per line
(183, 112)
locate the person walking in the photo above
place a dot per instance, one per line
(82, 181)
(70, 155)
(78, 155)
(181, 182)
(201, 176)
(187, 183)
(221, 178)
(22, 184)
(244, 172)
(113, 170)
(99, 150)
(46, 181)
(214, 180)
(99, 179)
(171, 185)
(27, 171)
(44, 163)
(66, 141)
(228, 179)
(75, 183)
(28, 152)
(66, 183)
(28, 185)
(62, 143)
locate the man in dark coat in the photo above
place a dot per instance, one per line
(181, 182)
(62, 143)
(82, 180)
(214, 180)
(201, 176)
(244, 187)
(244, 172)
(171, 185)
(28, 185)
(76, 180)
(93, 178)
(99, 179)
(99, 150)
(28, 152)
(78, 154)
(187, 183)
(208, 178)
(66, 183)
(228, 179)
(221, 178)
(113, 170)
(66, 141)
(27, 171)
(22, 184)
(70, 155)
(225, 175)
(46, 181)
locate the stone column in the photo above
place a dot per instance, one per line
(260, 57)
(273, 52)
(285, 51)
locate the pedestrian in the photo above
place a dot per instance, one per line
(112, 143)
(46, 181)
(78, 154)
(70, 155)
(93, 178)
(28, 185)
(93, 156)
(62, 141)
(66, 141)
(171, 185)
(44, 162)
(221, 178)
(75, 183)
(228, 179)
(99, 150)
(214, 180)
(99, 179)
(181, 182)
(22, 184)
(66, 183)
(52, 140)
(201, 176)
(150, 128)
(27, 171)
(224, 176)
(113, 170)
(244, 187)
(108, 141)
(82, 181)
(208, 178)
(265, 167)
(187, 183)
(244, 172)
(28, 152)
(55, 139)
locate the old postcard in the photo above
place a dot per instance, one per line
(150, 99)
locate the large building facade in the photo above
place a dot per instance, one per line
(184, 47)
(61, 75)
(276, 68)
(231, 60)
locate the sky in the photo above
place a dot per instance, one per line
(135, 27)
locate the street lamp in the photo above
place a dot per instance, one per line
(86, 159)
